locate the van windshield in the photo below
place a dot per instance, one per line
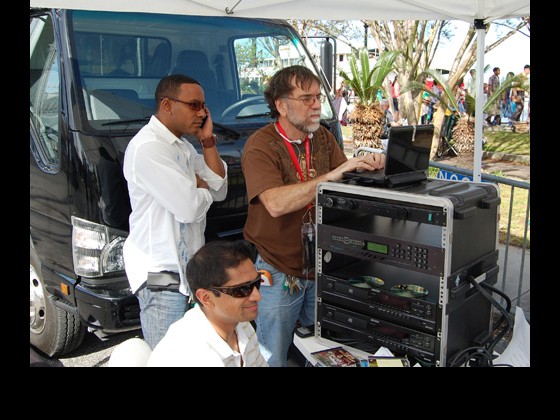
(119, 59)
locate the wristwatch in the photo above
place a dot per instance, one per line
(208, 142)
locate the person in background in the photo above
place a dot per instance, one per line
(171, 188)
(484, 98)
(395, 94)
(493, 117)
(283, 163)
(508, 106)
(344, 90)
(516, 116)
(389, 120)
(438, 90)
(341, 104)
(217, 332)
(526, 115)
(425, 108)
(470, 83)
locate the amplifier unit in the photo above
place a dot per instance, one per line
(415, 313)
(368, 333)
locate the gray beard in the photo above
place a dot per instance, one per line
(299, 123)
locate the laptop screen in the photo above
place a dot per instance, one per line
(408, 149)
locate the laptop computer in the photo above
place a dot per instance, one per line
(408, 158)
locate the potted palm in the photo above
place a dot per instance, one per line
(367, 116)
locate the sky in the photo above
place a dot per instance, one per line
(511, 55)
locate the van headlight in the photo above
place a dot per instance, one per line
(96, 249)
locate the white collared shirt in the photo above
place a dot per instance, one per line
(168, 210)
(192, 341)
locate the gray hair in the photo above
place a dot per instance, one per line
(385, 102)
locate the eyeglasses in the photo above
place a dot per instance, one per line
(193, 105)
(308, 100)
(243, 290)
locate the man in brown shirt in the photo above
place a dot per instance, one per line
(283, 163)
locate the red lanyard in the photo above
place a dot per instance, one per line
(293, 154)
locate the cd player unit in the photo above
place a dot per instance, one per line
(393, 266)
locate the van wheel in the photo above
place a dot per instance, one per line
(52, 330)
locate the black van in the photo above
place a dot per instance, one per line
(92, 80)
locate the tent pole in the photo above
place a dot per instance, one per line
(479, 104)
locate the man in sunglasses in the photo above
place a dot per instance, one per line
(283, 163)
(217, 332)
(171, 188)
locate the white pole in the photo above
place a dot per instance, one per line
(479, 104)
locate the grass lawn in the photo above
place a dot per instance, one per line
(518, 215)
(507, 142)
(516, 144)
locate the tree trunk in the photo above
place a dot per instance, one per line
(463, 136)
(437, 121)
(367, 126)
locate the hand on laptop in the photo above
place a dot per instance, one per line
(368, 162)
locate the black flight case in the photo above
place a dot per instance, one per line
(395, 266)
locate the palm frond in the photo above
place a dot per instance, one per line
(384, 66)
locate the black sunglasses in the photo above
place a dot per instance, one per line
(243, 290)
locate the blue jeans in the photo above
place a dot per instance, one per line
(278, 313)
(158, 310)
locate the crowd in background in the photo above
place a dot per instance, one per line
(513, 106)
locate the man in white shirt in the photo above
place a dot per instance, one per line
(171, 188)
(217, 332)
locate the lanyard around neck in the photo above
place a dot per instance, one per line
(293, 154)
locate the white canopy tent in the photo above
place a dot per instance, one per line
(471, 11)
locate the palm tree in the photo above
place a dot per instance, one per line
(367, 116)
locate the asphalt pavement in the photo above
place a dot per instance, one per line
(495, 163)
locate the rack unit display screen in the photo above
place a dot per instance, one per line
(376, 247)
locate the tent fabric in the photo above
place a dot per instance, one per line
(466, 10)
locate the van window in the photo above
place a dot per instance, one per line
(119, 58)
(44, 95)
(115, 55)
(258, 58)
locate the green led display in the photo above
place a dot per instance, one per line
(380, 248)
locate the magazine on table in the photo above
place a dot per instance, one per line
(335, 357)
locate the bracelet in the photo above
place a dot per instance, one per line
(209, 141)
